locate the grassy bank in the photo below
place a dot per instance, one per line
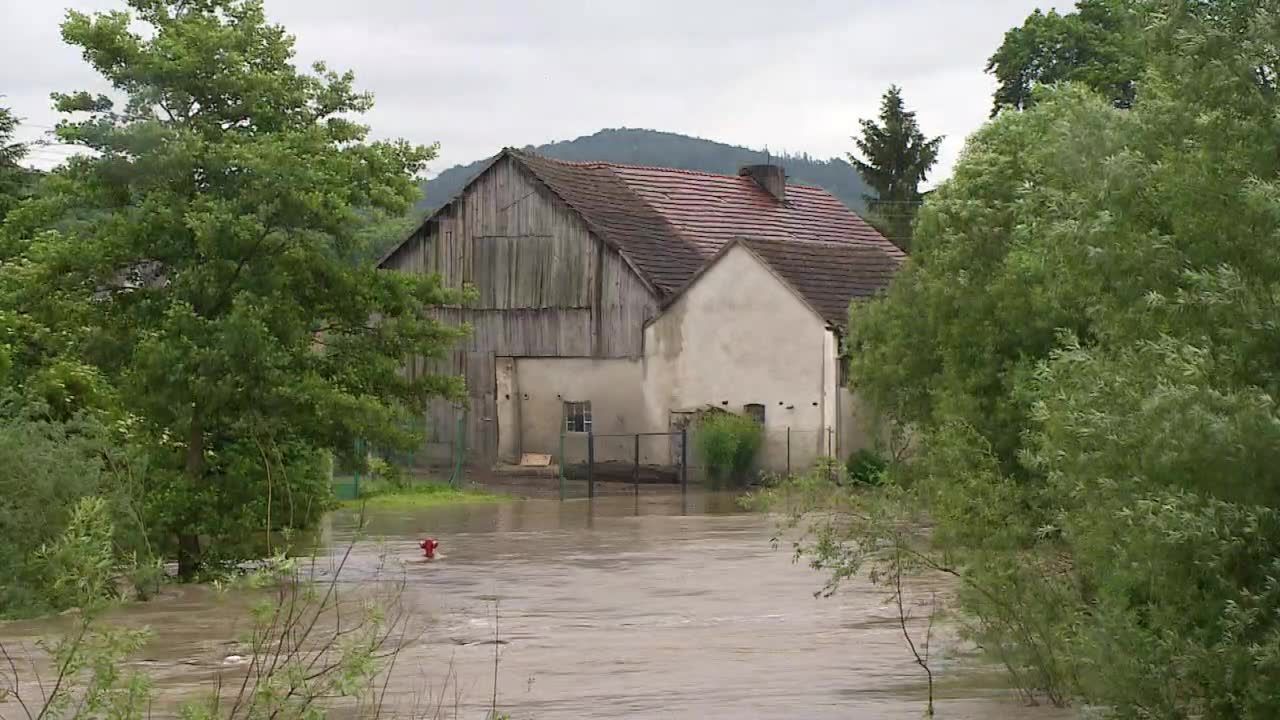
(419, 494)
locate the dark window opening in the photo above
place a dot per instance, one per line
(577, 416)
(755, 411)
(842, 362)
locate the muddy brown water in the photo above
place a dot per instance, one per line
(658, 606)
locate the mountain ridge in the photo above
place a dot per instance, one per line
(635, 146)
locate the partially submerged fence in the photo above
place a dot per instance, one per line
(607, 459)
(648, 458)
(578, 459)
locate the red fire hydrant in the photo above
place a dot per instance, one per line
(429, 547)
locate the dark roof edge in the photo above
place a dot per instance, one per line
(518, 157)
(715, 260)
(428, 218)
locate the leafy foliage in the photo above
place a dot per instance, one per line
(1101, 46)
(78, 566)
(15, 181)
(69, 515)
(727, 444)
(895, 158)
(1084, 342)
(1096, 45)
(92, 682)
(208, 251)
(866, 466)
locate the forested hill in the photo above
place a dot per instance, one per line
(663, 149)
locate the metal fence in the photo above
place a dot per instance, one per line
(637, 458)
(584, 462)
(647, 458)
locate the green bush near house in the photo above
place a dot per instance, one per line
(866, 467)
(728, 445)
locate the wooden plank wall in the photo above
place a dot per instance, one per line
(625, 305)
(546, 288)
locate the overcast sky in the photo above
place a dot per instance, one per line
(480, 74)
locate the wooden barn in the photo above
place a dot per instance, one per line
(615, 298)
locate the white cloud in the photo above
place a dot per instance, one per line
(479, 75)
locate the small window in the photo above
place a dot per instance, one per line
(755, 411)
(577, 416)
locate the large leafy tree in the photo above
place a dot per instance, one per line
(894, 157)
(1097, 45)
(207, 245)
(1085, 343)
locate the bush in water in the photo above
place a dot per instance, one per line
(728, 445)
(68, 520)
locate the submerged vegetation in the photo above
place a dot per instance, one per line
(421, 494)
(312, 647)
(728, 444)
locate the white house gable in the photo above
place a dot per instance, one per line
(738, 336)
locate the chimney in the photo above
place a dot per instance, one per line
(769, 177)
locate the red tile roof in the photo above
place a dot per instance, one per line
(668, 224)
(710, 210)
(828, 275)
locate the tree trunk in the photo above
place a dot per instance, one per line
(188, 540)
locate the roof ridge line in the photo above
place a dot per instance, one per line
(793, 240)
(598, 164)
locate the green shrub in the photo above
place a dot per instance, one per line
(247, 495)
(78, 567)
(866, 467)
(728, 445)
(388, 474)
(63, 501)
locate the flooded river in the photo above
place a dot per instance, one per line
(649, 607)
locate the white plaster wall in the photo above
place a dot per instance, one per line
(614, 387)
(739, 335)
(507, 400)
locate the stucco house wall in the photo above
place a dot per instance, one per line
(613, 386)
(737, 336)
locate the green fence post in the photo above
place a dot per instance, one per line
(360, 459)
(459, 451)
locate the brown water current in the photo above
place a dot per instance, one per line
(650, 607)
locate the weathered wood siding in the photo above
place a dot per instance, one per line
(624, 307)
(545, 288)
